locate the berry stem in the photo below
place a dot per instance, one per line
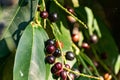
(62, 54)
(44, 8)
(81, 22)
(79, 56)
(81, 74)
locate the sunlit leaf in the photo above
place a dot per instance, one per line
(30, 55)
(117, 65)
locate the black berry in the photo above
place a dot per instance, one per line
(53, 17)
(63, 75)
(50, 59)
(50, 49)
(50, 42)
(69, 55)
(44, 14)
(57, 53)
(93, 38)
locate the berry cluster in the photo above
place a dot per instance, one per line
(58, 71)
(53, 51)
(53, 17)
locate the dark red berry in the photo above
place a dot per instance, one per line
(44, 14)
(53, 70)
(50, 42)
(75, 37)
(71, 76)
(57, 53)
(58, 66)
(71, 10)
(104, 56)
(53, 17)
(85, 45)
(67, 66)
(50, 49)
(50, 59)
(69, 55)
(93, 38)
(63, 75)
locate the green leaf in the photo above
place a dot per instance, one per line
(117, 65)
(60, 28)
(89, 61)
(106, 44)
(29, 61)
(16, 17)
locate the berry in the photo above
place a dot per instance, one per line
(71, 10)
(104, 56)
(85, 45)
(50, 49)
(69, 55)
(44, 14)
(57, 53)
(58, 66)
(71, 76)
(67, 66)
(76, 70)
(50, 59)
(63, 75)
(58, 44)
(71, 19)
(49, 42)
(53, 70)
(75, 37)
(107, 76)
(53, 17)
(93, 38)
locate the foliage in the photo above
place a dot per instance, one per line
(23, 34)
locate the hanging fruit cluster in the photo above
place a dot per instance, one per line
(68, 44)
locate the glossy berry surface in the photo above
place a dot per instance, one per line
(49, 42)
(57, 53)
(93, 38)
(50, 49)
(75, 37)
(44, 14)
(67, 66)
(58, 66)
(53, 17)
(85, 45)
(71, 76)
(63, 75)
(53, 70)
(50, 59)
(71, 10)
(69, 55)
